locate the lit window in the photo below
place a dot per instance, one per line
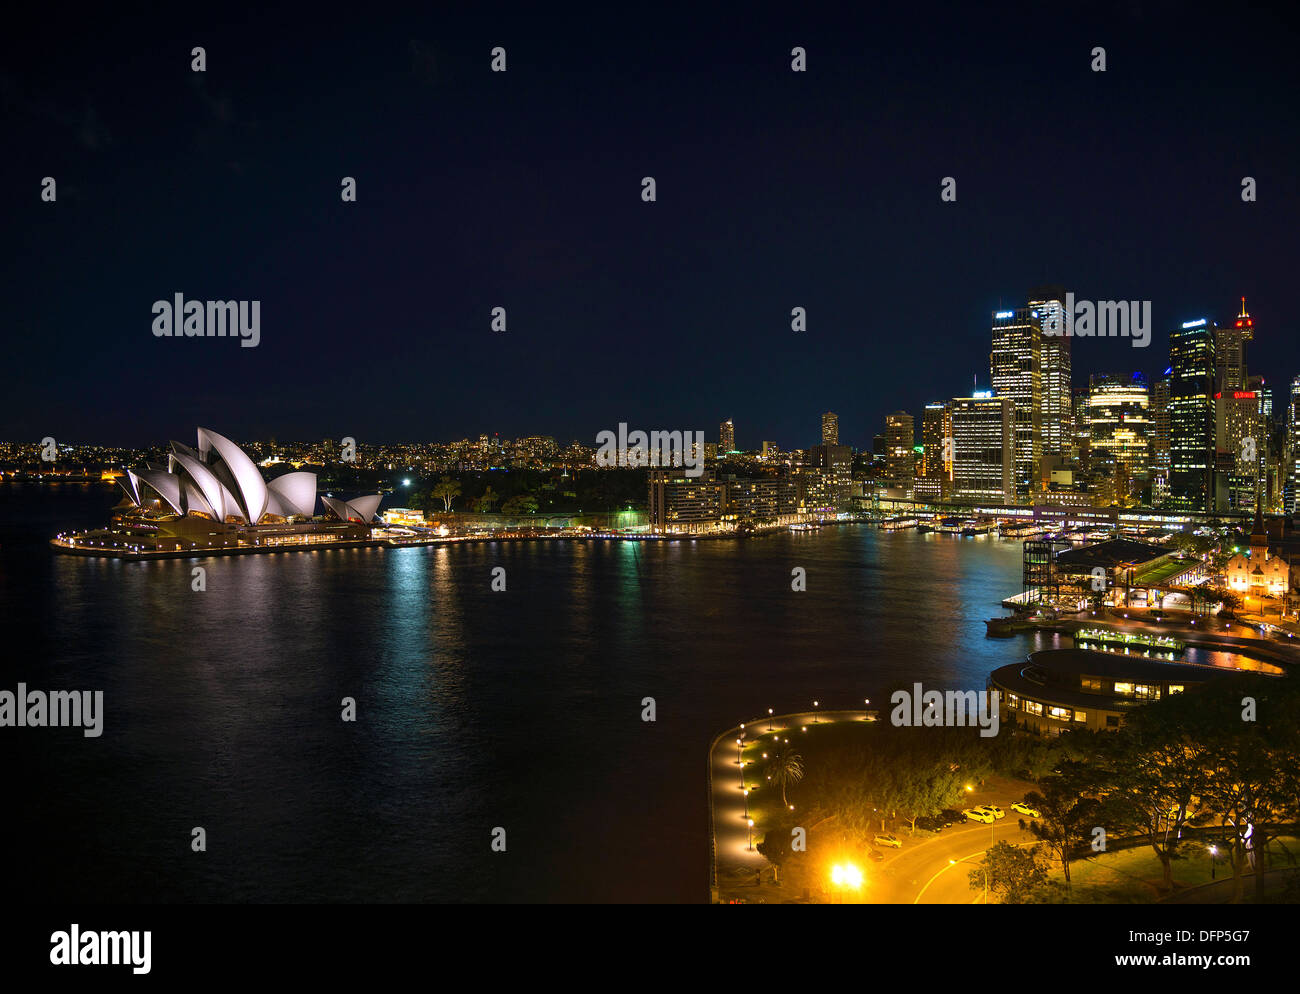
(1176, 688)
(1060, 714)
(1123, 688)
(1033, 707)
(1081, 716)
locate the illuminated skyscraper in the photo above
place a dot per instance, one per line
(1191, 415)
(1160, 466)
(1016, 367)
(830, 428)
(726, 437)
(1241, 443)
(1057, 414)
(1291, 484)
(1119, 429)
(900, 459)
(1230, 353)
(983, 434)
(935, 480)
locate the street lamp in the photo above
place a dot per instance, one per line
(750, 830)
(814, 712)
(769, 719)
(846, 876)
(740, 761)
(746, 803)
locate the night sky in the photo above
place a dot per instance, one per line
(522, 189)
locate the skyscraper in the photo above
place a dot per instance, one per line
(983, 433)
(830, 428)
(1230, 353)
(1119, 426)
(1291, 485)
(1191, 415)
(935, 480)
(1160, 438)
(900, 459)
(1016, 368)
(1241, 443)
(726, 437)
(1048, 305)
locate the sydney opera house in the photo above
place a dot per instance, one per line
(213, 497)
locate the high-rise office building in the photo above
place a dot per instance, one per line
(935, 479)
(1291, 483)
(1016, 368)
(1047, 304)
(726, 437)
(825, 475)
(1230, 353)
(830, 428)
(1191, 415)
(1242, 444)
(1082, 429)
(1119, 429)
(900, 458)
(1160, 465)
(983, 436)
(1159, 409)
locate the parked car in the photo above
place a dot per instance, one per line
(875, 855)
(888, 840)
(950, 817)
(979, 814)
(930, 824)
(1022, 808)
(994, 810)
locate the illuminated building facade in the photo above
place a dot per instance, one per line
(1241, 443)
(934, 482)
(1119, 429)
(983, 433)
(1047, 304)
(1015, 365)
(900, 459)
(830, 428)
(1291, 484)
(1191, 415)
(726, 437)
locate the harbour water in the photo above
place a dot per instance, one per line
(475, 709)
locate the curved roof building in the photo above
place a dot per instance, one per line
(218, 480)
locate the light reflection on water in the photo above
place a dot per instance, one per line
(475, 709)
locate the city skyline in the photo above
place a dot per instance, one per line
(225, 185)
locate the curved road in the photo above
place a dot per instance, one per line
(930, 868)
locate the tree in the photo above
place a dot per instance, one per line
(785, 768)
(520, 504)
(1250, 727)
(485, 501)
(1155, 767)
(1014, 872)
(1069, 814)
(446, 490)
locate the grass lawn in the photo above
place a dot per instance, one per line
(821, 739)
(1133, 876)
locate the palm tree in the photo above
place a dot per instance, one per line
(786, 768)
(484, 504)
